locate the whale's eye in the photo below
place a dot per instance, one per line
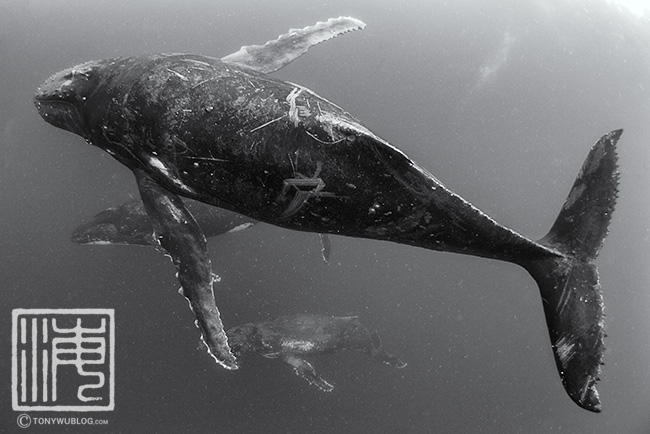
(351, 138)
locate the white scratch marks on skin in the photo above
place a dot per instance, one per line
(240, 227)
(335, 123)
(220, 160)
(201, 82)
(177, 74)
(565, 296)
(266, 124)
(295, 344)
(322, 141)
(291, 99)
(332, 122)
(157, 164)
(199, 62)
(585, 389)
(564, 349)
(176, 212)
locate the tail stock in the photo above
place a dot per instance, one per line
(375, 350)
(571, 293)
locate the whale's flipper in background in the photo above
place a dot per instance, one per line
(571, 293)
(305, 370)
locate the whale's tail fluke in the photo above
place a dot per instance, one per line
(568, 283)
(376, 350)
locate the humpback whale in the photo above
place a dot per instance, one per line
(128, 223)
(292, 337)
(226, 133)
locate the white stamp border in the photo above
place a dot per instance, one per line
(14, 360)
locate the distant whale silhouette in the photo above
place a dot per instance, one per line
(225, 133)
(292, 337)
(129, 224)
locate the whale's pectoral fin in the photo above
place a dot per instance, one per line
(305, 370)
(179, 235)
(376, 351)
(278, 53)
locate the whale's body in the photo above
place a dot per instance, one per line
(232, 136)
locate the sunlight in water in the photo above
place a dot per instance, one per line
(637, 7)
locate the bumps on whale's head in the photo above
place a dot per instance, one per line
(61, 99)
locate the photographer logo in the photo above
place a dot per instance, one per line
(63, 359)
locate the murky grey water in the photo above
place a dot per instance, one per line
(500, 100)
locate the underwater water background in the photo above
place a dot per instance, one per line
(501, 100)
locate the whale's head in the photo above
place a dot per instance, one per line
(61, 99)
(123, 224)
(103, 233)
(103, 229)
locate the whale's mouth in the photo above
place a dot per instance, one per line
(61, 114)
(59, 98)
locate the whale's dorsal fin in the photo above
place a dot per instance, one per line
(278, 53)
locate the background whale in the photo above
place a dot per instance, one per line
(127, 223)
(291, 338)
